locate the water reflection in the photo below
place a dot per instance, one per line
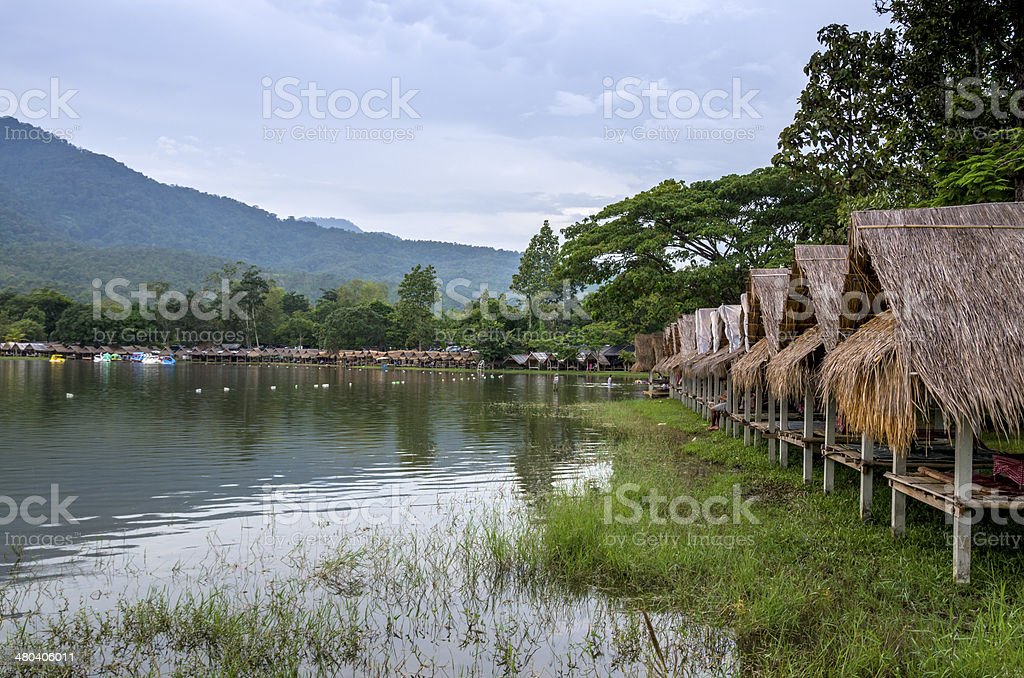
(159, 458)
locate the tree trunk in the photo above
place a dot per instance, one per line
(1020, 189)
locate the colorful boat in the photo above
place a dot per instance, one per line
(56, 358)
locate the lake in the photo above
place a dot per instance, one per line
(155, 480)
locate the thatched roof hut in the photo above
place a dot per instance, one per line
(645, 353)
(953, 279)
(686, 342)
(812, 314)
(769, 289)
(762, 315)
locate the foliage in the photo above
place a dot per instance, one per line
(536, 278)
(886, 116)
(414, 313)
(986, 177)
(679, 246)
(352, 327)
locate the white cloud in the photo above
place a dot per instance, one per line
(571, 105)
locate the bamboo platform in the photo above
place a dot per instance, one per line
(937, 490)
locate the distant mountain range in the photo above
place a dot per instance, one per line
(332, 222)
(68, 216)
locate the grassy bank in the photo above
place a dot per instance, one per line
(805, 586)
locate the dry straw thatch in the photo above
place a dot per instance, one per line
(954, 278)
(686, 342)
(824, 269)
(869, 378)
(771, 285)
(645, 353)
(747, 372)
(790, 371)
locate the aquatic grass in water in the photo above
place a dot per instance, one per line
(469, 597)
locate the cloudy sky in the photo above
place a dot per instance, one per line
(457, 120)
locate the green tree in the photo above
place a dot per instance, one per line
(886, 116)
(355, 327)
(415, 323)
(296, 331)
(680, 246)
(25, 329)
(361, 293)
(535, 278)
(294, 302)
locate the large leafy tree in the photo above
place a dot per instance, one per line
(415, 323)
(536, 275)
(679, 246)
(886, 116)
(354, 327)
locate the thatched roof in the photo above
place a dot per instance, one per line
(868, 377)
(645, 355)
(790, 370)
(686, 342)
(954, 279)
(823, 269)
(746, 371)
(713, 363)
(771, 288)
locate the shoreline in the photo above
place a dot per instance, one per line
(806, 587)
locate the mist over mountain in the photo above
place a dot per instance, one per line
(68, 215)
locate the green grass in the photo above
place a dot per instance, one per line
(810, 590)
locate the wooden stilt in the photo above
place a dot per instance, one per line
(748, 400)
(963, 518)
(783, 426)
(867, 476)
(808, 433)
(899, 500)
(726, 421)
(830, 440)
(773, 427)
(758, 404)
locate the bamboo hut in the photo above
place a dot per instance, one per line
(952, 280)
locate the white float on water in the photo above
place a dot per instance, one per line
(226, 389)
(69, 395)
(273, 388)
(199, 390)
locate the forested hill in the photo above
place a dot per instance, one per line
(59, 202)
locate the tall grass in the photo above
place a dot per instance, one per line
(806, 590)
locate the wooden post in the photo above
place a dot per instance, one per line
(748, 403)
(758, 404)
(734, 426)
(867, 476)
(808, 433)
(963, 517)
(773, 426)
(726, 421)
(899, 500)
(783, 426)
(830, 441)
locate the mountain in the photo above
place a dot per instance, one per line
(332, 222)
(68, 215)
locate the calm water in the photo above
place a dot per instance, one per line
(234, 477)
(156, 467)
